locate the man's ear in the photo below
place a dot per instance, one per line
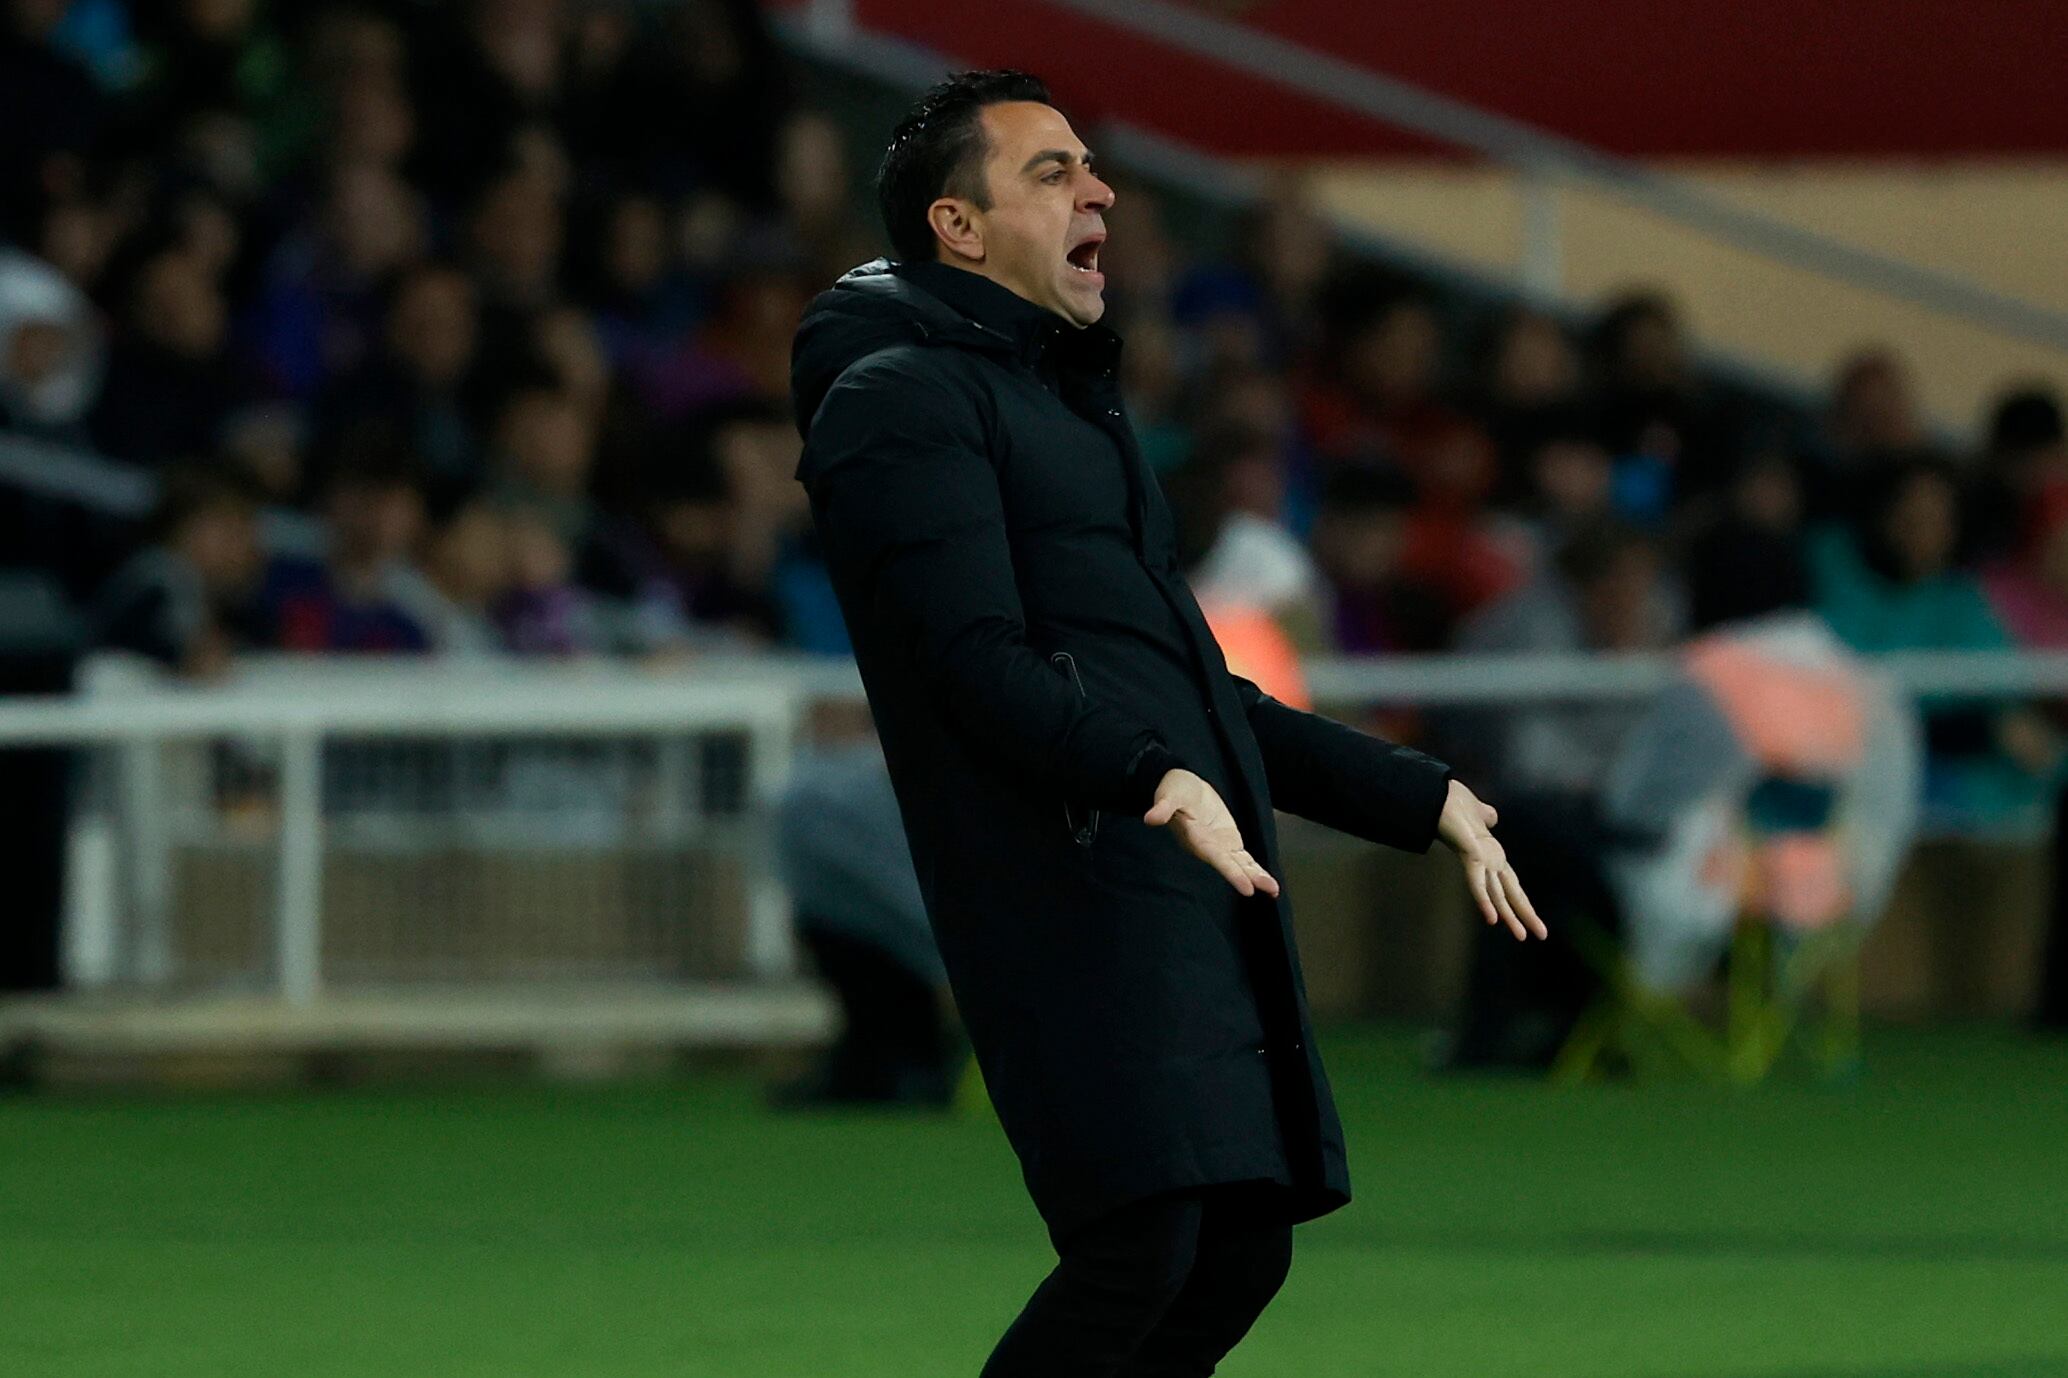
(954, 224)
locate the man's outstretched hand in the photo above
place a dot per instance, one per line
(1491, 879)
(1202, 822)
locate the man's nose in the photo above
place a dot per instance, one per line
(1098, 196)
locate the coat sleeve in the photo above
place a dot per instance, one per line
(1345, 779)
(907, 506)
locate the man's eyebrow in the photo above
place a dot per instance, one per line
(1057, 155)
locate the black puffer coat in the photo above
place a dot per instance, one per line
(1035, 662)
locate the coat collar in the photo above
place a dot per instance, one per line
(1030, 332)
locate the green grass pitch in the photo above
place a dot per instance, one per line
(1914, 1225)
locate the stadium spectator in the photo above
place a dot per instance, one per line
(1604, 591)
(1570, 483)
(2029, 594)
(1874, 409)
(50, 351)
(1263, 308)
(1749, 557)
(1889, 580)
(1531, 395)
(1376, 396)
(1227, 501)
(1360, 537)
(170, 382)
(2025, 451)
(183, 599)
(1655, 420)
(425, 381)
(462, 572)
(345, 601)
(52, 114)
(543, 611)
(318, 314)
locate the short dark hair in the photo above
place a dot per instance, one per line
(938, 150)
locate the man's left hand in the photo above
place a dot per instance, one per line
(1491, 879)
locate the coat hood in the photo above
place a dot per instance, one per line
(871, 306)
(34, 293)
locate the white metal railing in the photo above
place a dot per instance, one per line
(298, 713)
(290, 721)
(275, 695)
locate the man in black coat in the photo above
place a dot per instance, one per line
(1087, 791)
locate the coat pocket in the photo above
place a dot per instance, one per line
(1083, 823)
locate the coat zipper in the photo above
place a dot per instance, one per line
(1089, 829)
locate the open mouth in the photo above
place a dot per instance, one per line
(1085, 256)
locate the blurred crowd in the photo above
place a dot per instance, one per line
(499, 296)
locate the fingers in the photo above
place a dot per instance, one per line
(1506, 908)
(1159, 812)
(1513, 884)
(1241, 870)
(1261, 878)
(1498, 892)
(1475, 881)
(1488, 813)
(1234, 872)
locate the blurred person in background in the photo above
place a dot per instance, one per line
(1749, 556)
(1262, 307)
(1231, 543)
(544, 611)
(516, 233)
(1152, 379)
(644, 295)
(840, 848)
(345, 601)
(170, 381)
(2025, 452)
(814, 210)
(1570, 483)
(52, 114)
(741, 351)
(1376, 396)
(1873, 415)
(1663, 432)
(184, 600)
(545, 458)
(1529, 395)
(678, 552)
(2029, 594)
(320, 309)
(50, 351)
(424, 380)
(1360, 539)
(1890, 579)
(773, 550)
(267, 442)
(1049, 696)
(1603, 592)
(463, 570)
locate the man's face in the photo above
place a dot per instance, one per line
(1041, 235)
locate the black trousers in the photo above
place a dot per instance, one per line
(1161, 1288)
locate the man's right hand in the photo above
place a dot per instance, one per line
(1202, 822)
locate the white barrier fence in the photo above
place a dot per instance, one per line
(311, 824)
